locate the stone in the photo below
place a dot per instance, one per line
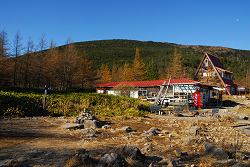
(238, 164)
(194, 130)
(172, 164)
(151, 132)
(145, 139)
(6, 162)
(127, 129)
(226, 162)
(151, 165)
(188, 140)
(178, 152)
(88, 131)
(106, 126)
(71, 126)
(129, 151)
(165, 132)
(216, 151)
(90, 123)
(111, 159)
(80, 151)
(147, 148)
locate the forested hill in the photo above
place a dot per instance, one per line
(120, 51)
(85, 64)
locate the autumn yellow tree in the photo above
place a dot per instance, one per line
(137, 69)
(51, 59)
(84, 75)
(114, 73)
(175, 67)
(125, 73)
(104, 74)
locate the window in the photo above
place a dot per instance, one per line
(206, 62)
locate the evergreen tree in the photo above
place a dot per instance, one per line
(152, 71)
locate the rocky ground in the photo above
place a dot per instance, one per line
(221, 139)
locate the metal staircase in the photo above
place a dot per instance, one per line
(158, 99)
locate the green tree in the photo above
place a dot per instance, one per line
(152, 71)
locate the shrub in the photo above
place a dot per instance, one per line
(71, 104)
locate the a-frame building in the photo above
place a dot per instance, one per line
(212, 72)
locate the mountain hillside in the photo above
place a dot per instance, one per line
(120, 51)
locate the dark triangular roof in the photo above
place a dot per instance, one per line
(217, 65)
(215, 60)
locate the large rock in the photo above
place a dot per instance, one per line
(172, 164)
(129, 151)
(178, 152)
(110, 160)
(71, 126)
(90, 123)
(88, 131)
(188, 140)
(194, 130)
(216, 151)
(151, 132)
(238, 164)
(127, 129)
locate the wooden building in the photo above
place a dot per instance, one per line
(177, 91)
(212, 72)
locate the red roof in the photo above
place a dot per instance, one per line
(149, 83)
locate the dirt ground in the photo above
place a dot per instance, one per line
(40, 141)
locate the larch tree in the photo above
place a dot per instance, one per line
(175, 68)
(4, 44)
(42, 45)
(137, 69)
(84, 74)
(69, 60)
(50, 75)
(17, 51)
(4, 65)
(125, 73)
(29, 51)
(104, 74)
(114, 73)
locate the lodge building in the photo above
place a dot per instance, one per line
(210, 76)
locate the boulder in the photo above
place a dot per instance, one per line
(127, 129)
(238, 164)
(88, 131)
(90, 123)
(216, 151)
(172, 164)
(194, 130)
(71, 126)
(165, 132)
(110, 160)
(129, 151)
(151, 132)
(188, 140)
(144, 139)
(147, 148)
(178, 152)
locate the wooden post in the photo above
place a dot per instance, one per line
(44, 101)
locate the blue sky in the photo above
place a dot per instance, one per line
(188, 22)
